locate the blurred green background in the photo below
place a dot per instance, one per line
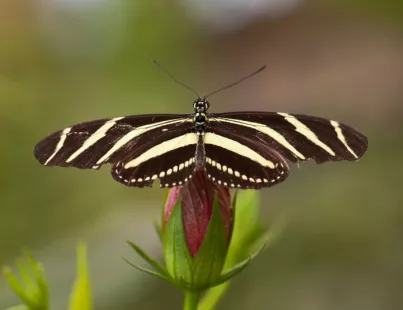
(67, 61)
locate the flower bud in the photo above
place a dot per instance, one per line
(197, 229)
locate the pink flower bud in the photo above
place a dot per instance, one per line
(197, 206)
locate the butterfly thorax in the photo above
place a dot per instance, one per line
(200, 118)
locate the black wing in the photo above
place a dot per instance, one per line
(172, 161)
(296, 137)
(238, 161)
(122, 140)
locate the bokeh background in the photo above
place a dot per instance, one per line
(67, 61)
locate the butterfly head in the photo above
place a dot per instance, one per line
(201, 105)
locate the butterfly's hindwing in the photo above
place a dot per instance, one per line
(238, 162)
(296, 137)
(171, 161)
(91, 144)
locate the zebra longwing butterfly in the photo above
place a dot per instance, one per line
(246, 150)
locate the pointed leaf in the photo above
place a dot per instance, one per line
(151, 272)
(235, 197)
(17, 287)
(257, 236)
(210, 259)
(158, 230)
(247, 226)
(39, 276)
(176, 253)
(81, 298)
(148, 259)
(228, 274)
(33, 289)
(234, 204)
(233, 213)
(246, 216)
(26, 276)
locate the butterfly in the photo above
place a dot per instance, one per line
(245, 150)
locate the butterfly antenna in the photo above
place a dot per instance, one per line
(174, 78)
(237, 82)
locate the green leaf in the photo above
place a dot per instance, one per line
(228, 274)
(247, 226)
(151, 272)
(39, 275)
(209, 260)
(240, 266)
(33, 289)
(158, 230)
(81, 297)
(176, 253)
(26, 275)
(235, 197)
(17, 287)
(166, 194)
(248, 238)
(148, 259)
(215, 294)
(246, 215)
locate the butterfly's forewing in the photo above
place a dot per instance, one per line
(91, 144)
(296, 137)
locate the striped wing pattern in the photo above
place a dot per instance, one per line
(91, 144)
(121, 141)
(231, 169)
(240, 149)
(296, 137)
(248, 149)
(171, 161)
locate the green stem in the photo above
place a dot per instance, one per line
(191, 300)
(213, 297)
